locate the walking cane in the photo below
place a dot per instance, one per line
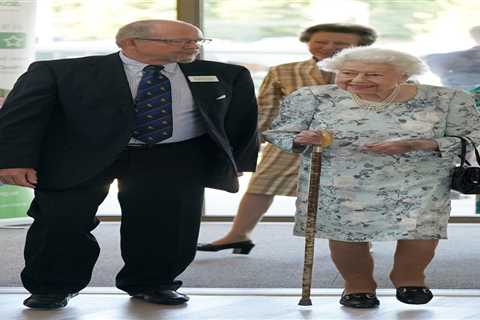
(312, 203)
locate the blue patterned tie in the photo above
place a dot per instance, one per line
(153, 107)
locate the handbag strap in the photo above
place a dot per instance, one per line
(462, 156)
(477, 154)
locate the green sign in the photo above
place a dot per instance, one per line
(13, 40)
(10, 3)
(14, 201)
(477, 204)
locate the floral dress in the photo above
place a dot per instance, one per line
(366, 196)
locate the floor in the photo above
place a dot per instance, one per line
(222, 304)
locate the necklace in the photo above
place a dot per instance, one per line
(377, 106)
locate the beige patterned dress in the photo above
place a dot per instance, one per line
(278, 170)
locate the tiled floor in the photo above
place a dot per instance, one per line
(217, 304)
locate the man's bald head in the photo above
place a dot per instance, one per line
(160, 41)
(475, 33)
(151, 28)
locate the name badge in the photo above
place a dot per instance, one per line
(203, 78)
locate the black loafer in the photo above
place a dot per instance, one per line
(168, 297)
(360, 300)
(48, 301)
(414, 295)
(242, 247)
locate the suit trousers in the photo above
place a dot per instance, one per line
(161, 192)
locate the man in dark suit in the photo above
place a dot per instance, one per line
(458, 69)
(162, 123)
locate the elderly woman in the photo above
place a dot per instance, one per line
(387, 174)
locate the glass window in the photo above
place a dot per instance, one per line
(72, 28)
(260, 34)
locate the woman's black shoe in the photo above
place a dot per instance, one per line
(360, 300)
(414, 295)
(242, 247)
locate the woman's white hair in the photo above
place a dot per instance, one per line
(403, 62)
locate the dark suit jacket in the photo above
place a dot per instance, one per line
(458, 69)
(71, 118)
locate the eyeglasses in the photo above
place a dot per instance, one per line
(178, 42)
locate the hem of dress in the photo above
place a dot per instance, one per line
(327, 237)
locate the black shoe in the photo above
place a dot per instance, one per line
(414, 295)
(360, 300)
(169, 297)
(48, 301)
(242, 247)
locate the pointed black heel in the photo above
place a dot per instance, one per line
(242, 247)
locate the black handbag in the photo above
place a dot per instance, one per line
(466, 177)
